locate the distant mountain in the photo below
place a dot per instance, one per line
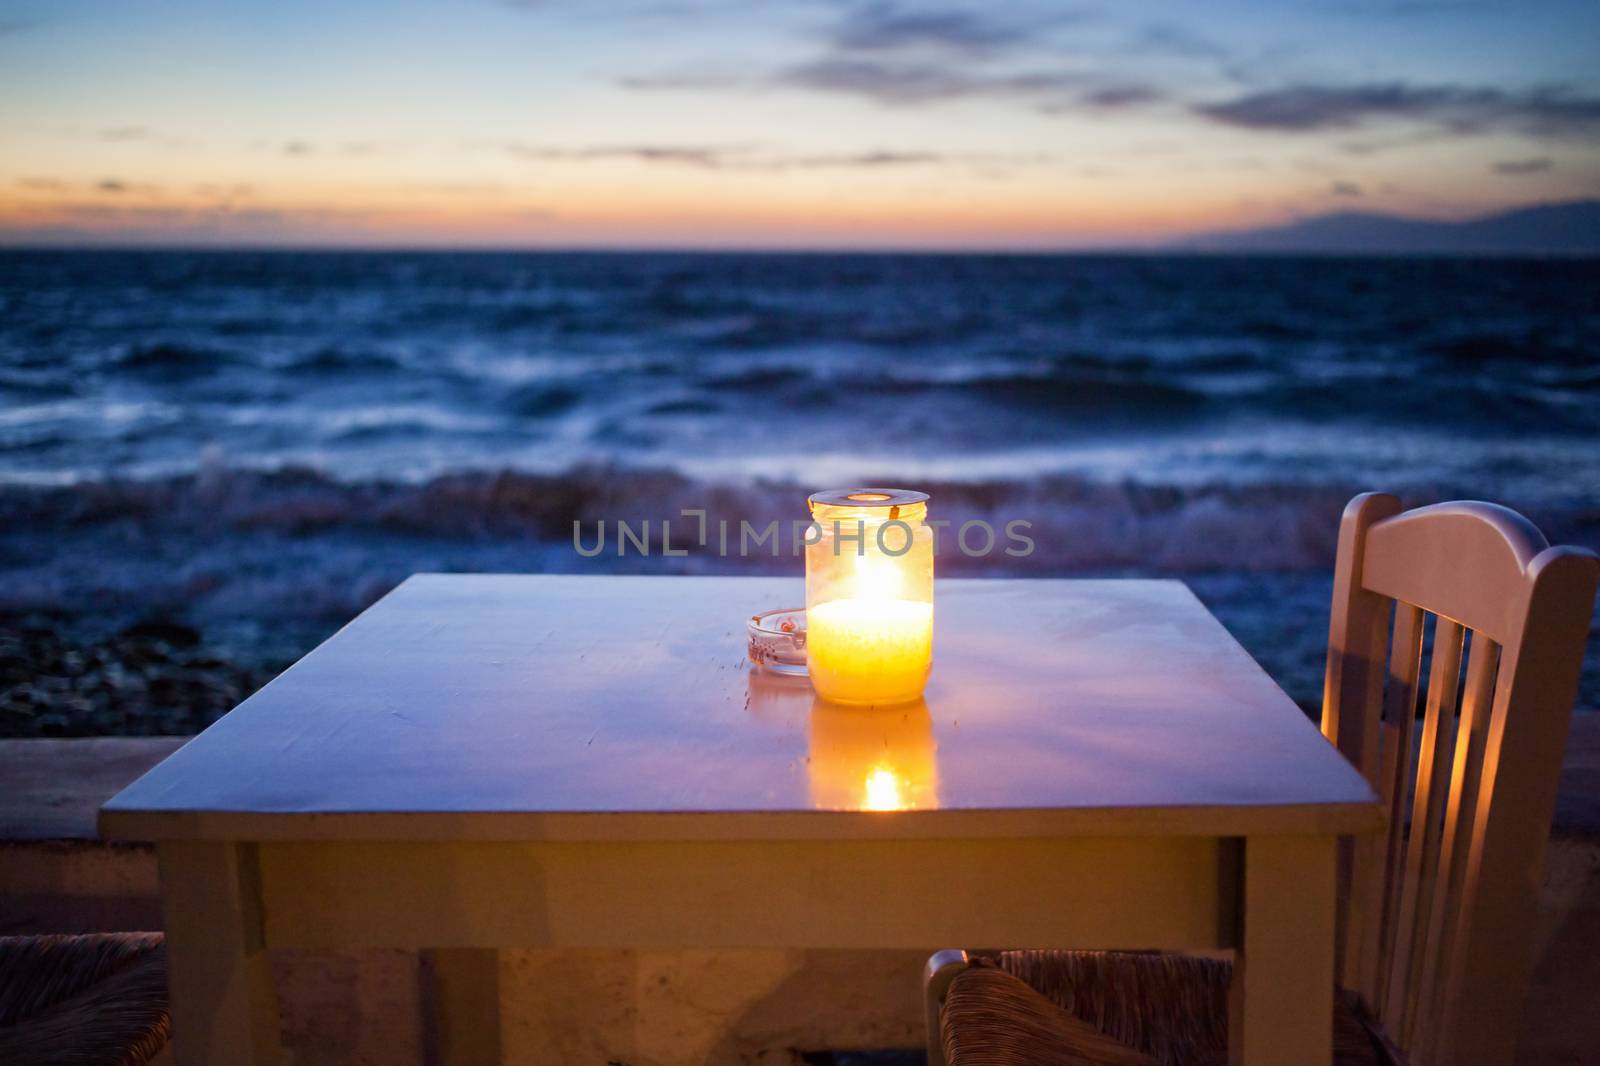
(1571, 228)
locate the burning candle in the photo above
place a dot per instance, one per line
(869, 595)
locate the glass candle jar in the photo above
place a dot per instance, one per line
(869, 595)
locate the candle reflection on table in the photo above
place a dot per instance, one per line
(873, 759)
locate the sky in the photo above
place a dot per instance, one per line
(821, 124)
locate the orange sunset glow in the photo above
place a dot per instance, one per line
(490, 124)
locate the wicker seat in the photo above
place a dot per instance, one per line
(98, 1000)
(1103, 1008)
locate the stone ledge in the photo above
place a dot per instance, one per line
(77, 886)
(56, 875)
(53, 789)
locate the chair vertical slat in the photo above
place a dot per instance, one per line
(1438, 955)
(1352, 705)
(1364, 887)
(1400, 713)
(1376, 865)
(1427, 811)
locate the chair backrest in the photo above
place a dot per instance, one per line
(1436, 919)
(1436, 922)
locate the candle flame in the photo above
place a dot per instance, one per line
(877, 578)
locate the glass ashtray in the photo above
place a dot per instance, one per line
(778, 640)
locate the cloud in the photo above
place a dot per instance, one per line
(1550, 111)
(1115, 96)
(898, 83)
(690, 80)
(1345, 188)
(686, 155)
(107, 186)
(304, 146)
(132, 135)
(1377, 145)
(173, 220)
(1536, 165)
(861, 159)
(883, 27)
(908, 84)
(747, 158)
(898, 55)
(119, 187)
(922, 83)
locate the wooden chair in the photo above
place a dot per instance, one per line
(94, 1000)
(1434, 949)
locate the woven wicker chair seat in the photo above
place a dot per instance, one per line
(98, 1000)
(1100, 1008)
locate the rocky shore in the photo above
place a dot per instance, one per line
(151, 678)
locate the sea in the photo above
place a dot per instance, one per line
(262, 443)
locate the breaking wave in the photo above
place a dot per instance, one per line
(1076, 523)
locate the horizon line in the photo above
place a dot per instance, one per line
(1189, 242)
(1099, 251)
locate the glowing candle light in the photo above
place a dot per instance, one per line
(869, 595)
(883, 790)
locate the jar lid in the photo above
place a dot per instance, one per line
(866, 498)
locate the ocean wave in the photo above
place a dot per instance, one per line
(541, 400)
(1082, 383)
(1115, 389)
(269, 563)
(1076, 522)
(758, 378)
(35, 385)
(1109, 394)
(1390, 399)
(1478, 348)
(682, 407)
(337, 360)
(170, 361)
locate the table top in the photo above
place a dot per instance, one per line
(498, 707)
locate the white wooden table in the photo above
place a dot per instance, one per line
(486, 761)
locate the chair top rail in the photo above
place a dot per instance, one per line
(1468, 561)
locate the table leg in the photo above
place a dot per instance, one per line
(224, 1008)
(1280, 1004)
(461, 1008)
